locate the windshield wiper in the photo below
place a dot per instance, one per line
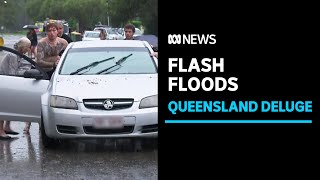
(118, 63)
(90, 65)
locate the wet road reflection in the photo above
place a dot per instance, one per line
(10, 39)
(23, 157)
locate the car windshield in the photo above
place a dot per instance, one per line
(112, 31)
(92, 35)
(140, 62)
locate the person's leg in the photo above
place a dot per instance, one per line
(3, 134)
(34, 51)
(27, 127)
(30, 53)
(8, 129)
(6, 126)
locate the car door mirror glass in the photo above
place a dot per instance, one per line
(33, 73)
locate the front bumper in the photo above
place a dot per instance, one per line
(66, 123)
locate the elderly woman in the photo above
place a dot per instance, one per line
(14, 65)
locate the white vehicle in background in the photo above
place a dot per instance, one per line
(112, 34)
(137, 32)
(91, 36)
(104, 29)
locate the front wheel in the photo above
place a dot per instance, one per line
(46, 141)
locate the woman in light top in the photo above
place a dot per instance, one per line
(13, 64)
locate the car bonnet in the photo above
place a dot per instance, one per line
(80, 87)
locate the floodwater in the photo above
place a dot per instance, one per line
(9, 39)
(24, 157)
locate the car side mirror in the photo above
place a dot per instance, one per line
(33, 73)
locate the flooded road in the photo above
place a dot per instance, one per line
(24, 157)
(9, 39)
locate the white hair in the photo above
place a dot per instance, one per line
(22, 42)
(60, 24)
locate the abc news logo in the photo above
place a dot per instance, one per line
(191, 39)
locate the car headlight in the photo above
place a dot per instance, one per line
(63, 102)
(148, 102)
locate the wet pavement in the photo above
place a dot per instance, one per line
(24, 157)
(10, 39)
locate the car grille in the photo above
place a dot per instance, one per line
(124, 130)
(98, 104)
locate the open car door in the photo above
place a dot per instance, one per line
(20, 95)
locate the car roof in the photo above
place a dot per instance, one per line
(92, 32)
(101, 25)
(109, 43)
(104, 28)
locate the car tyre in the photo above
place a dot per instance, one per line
(46, 141)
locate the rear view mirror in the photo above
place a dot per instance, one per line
(33, 73)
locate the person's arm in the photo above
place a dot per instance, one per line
(61, 45)
(155, 54)
(45, 62)
(64, 43)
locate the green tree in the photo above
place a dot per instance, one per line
(11, 15)
(31, 5)
(124, 11)
(87, 13)
(149, 16)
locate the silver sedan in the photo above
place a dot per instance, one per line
(100, 89)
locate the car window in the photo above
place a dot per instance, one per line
(92, 35)
(111, 31)
(140, 62)
(13, 65)
(99, 28)
(137, 32)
